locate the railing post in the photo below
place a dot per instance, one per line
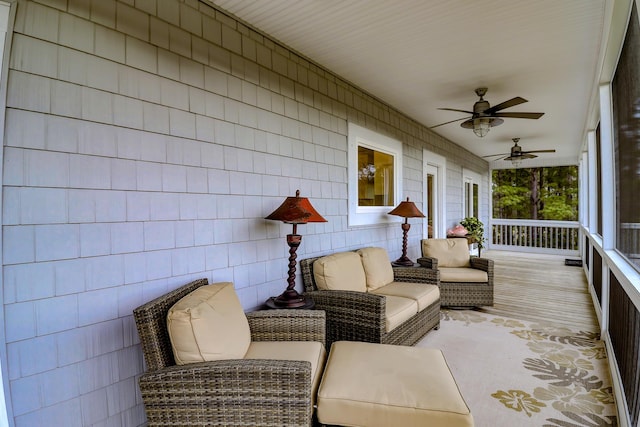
(542, 235)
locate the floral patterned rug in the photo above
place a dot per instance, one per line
(519, 373)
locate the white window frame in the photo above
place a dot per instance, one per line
(369, 215)
(470, 178)
(435, 161)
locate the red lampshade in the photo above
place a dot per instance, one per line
(407, 209)
(296, 210)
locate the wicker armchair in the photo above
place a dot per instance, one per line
(456, 290)
(360, 316)
(227, 392)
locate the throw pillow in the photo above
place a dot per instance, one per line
(377, 267)
(208, 324)
(449, 252)
(340, 271)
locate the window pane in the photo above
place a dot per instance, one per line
(467, 198)
(475, 200)
(375, 178)
(626, 116)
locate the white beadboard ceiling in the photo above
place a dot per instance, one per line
(419, 55)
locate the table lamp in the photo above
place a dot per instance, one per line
(405, 209)
(294, 210)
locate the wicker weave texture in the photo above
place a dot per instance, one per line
(464, 294)
(151, 321)
(360, 316)
(227, 392)
(287, 325)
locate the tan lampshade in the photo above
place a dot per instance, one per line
(296, 210)
(407, 209)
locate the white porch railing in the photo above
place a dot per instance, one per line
(554, 237)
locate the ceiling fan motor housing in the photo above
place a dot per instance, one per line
(480, 107)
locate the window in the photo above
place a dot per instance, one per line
(625, 90)
(375, 176)
(471, 194)
(474, 200)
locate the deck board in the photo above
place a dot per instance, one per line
(539, 287)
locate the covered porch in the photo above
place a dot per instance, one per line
(144, 142)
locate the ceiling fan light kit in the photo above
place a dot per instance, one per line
(481, 125)
(484, 117)
(516, 161)
(516, 156)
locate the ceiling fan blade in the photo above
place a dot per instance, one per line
(494, 155)
(506, 104)
(455, 109)
(500, 158)
(446, 123)
(519, 115)
(521, 156)
(539, 151)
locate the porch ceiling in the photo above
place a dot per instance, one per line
(419, 55)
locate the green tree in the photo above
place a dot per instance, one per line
(536, 193)
(510, 193)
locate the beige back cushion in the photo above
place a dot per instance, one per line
(377, 267)
(449, 252)
(340, 271)
(208, 324)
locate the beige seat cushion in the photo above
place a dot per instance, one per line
(208, 324)
(340, 271)
(377, 385)
(309, 351)
(449, 252)
(470, 275)
(377, 267)
(398, 311)
(422, 293)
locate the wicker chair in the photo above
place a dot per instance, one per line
(360, 316)
(227, 392)
(458, 293)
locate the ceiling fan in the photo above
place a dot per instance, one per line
(516, 156)
(484, 117)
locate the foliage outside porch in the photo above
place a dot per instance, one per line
(535, 210)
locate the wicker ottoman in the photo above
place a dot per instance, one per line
(371, 385)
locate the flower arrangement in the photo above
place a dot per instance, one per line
(475, 228)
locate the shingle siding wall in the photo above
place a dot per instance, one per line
(145, 142)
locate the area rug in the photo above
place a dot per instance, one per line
(520, 373)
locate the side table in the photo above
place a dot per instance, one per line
(271, 305)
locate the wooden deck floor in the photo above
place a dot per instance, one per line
(541, 288)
